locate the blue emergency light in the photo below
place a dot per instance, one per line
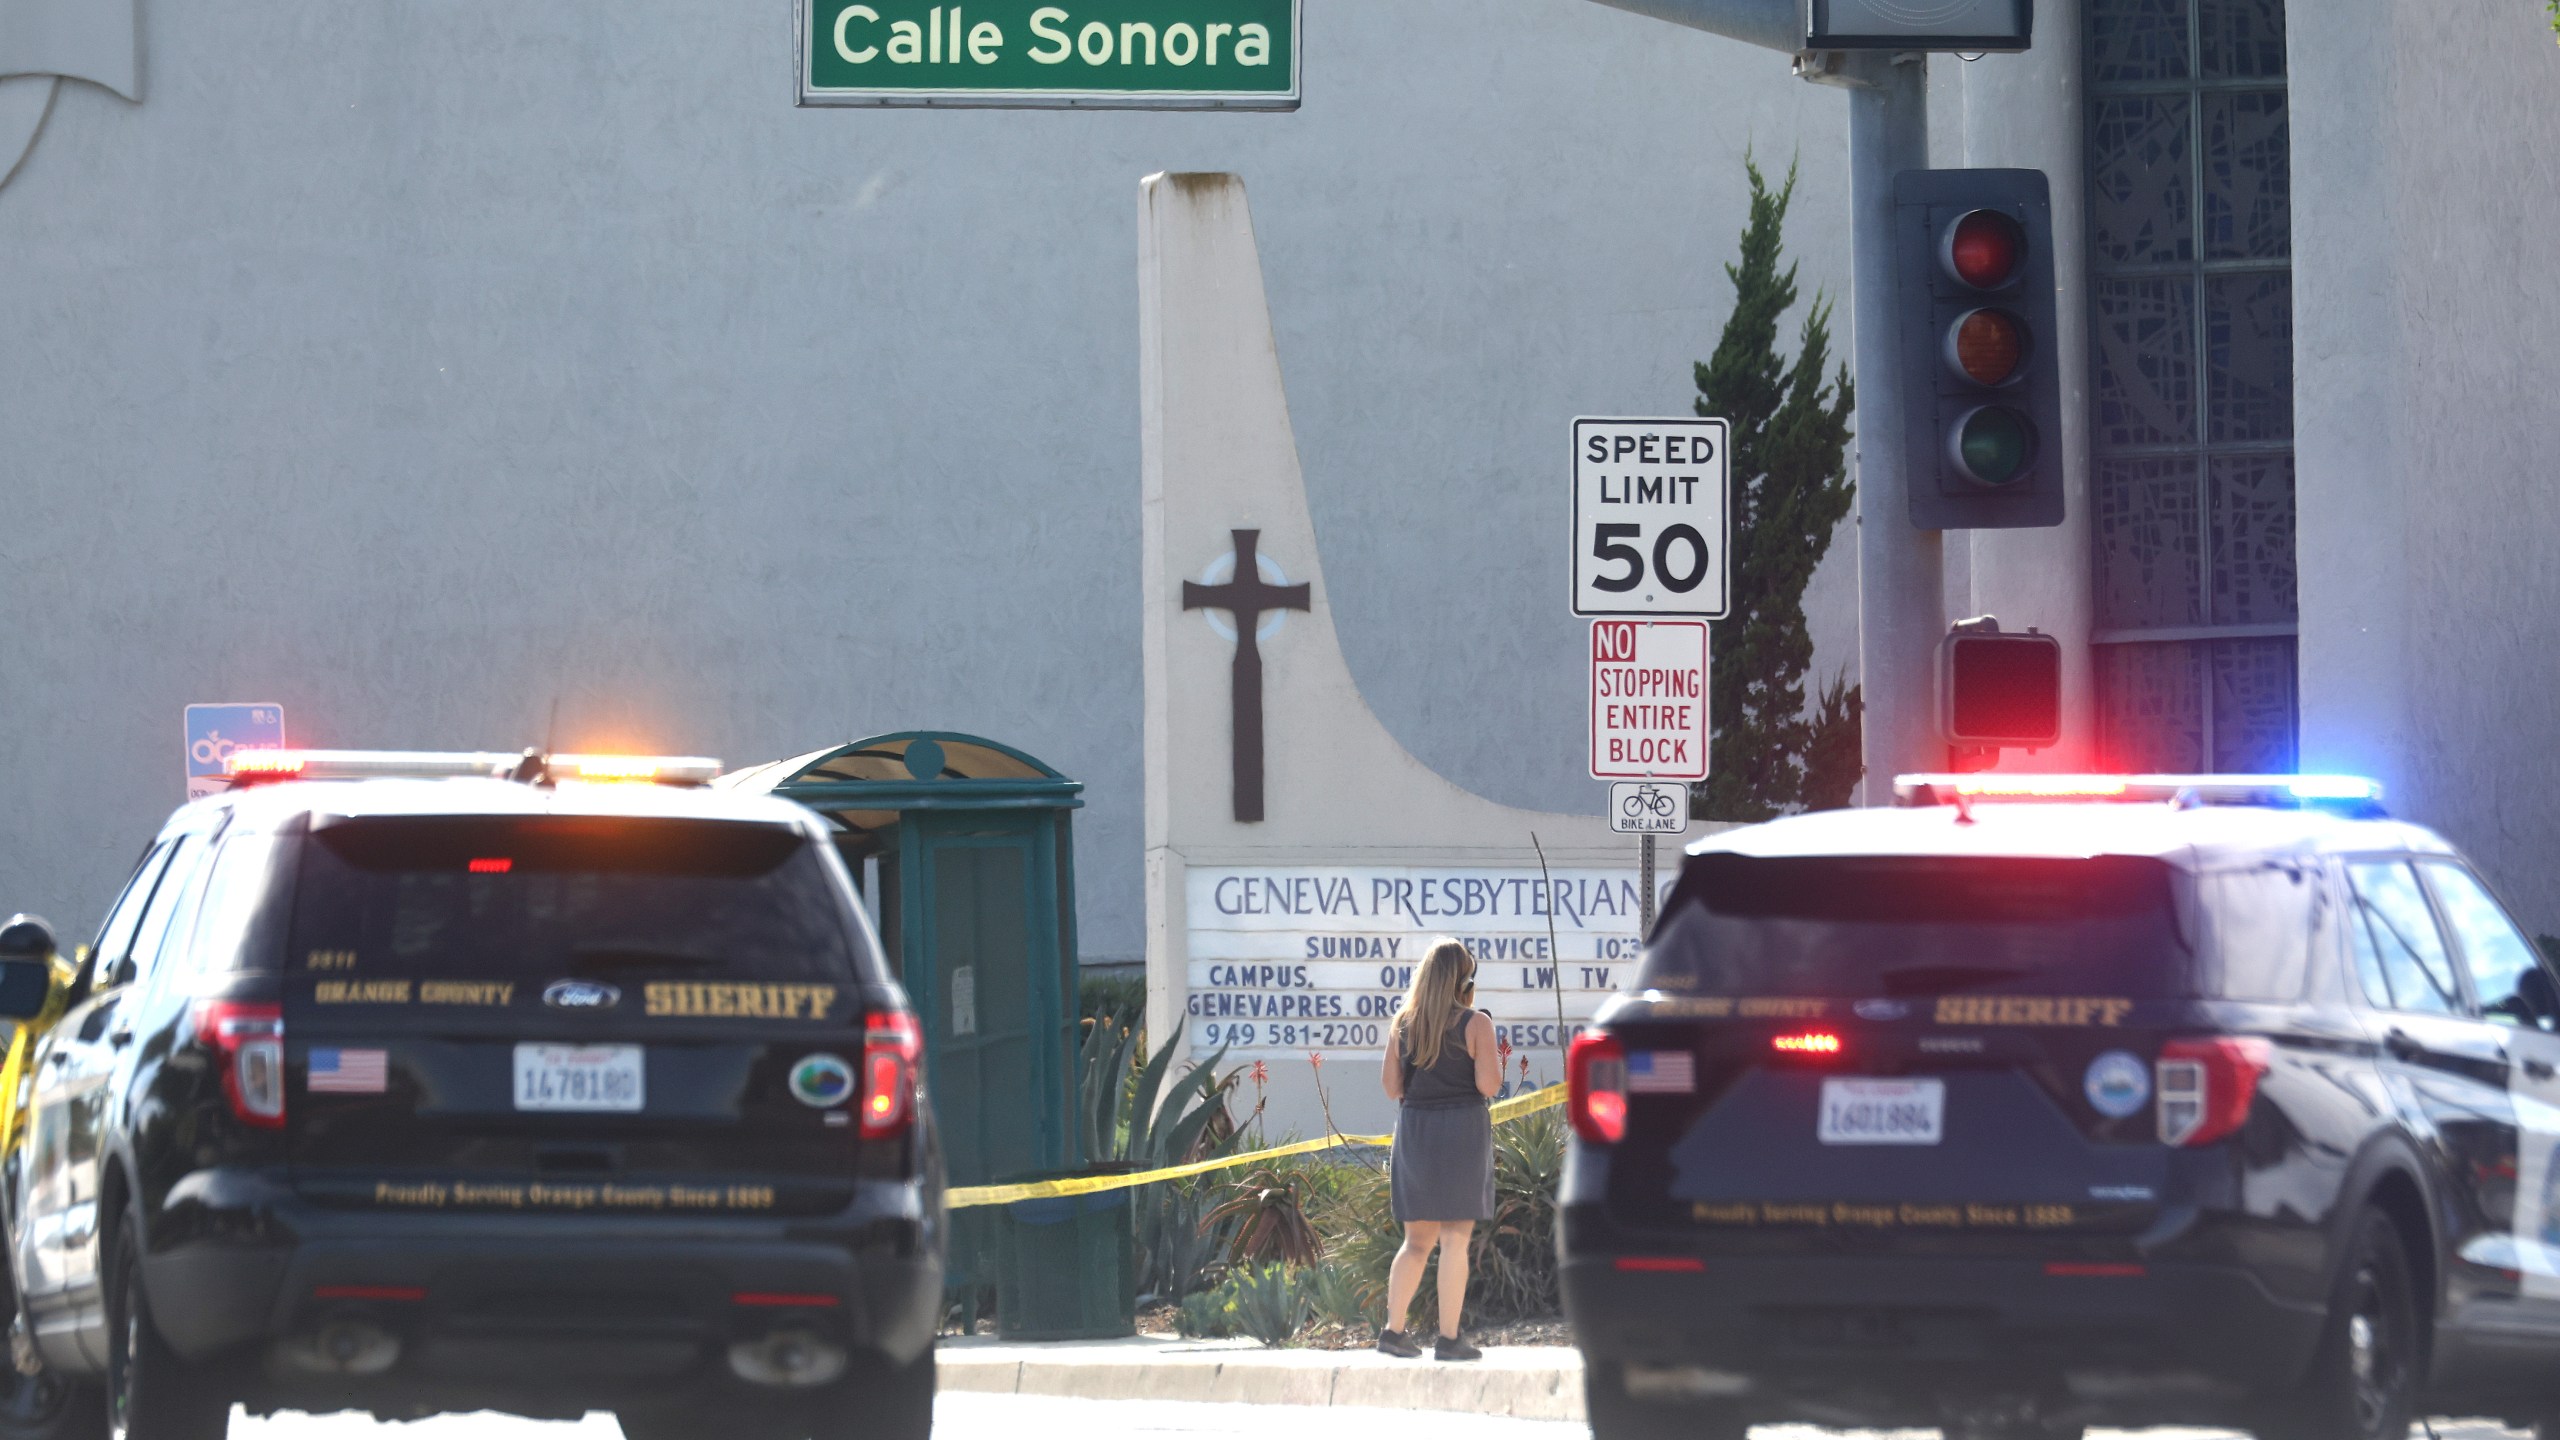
(2352, 795)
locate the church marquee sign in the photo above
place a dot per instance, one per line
(1070, 54)
(1288, 961)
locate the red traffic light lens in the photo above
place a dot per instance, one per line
(1988, 347)
(1993, 445)
(1986, 250)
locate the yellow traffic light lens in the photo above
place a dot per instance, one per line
(1989, 347)
(1994, 445)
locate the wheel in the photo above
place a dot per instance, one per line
(1616, 1415)
(47, 1407)
(152, 1394)
(2364, 1378)
(881, 1401)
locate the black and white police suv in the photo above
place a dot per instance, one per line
(512, 1090)
(2035, 1103)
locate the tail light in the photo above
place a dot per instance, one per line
(1596, 1087)
(247, 1040)
(1820, 1043)
(892, 1052)
(2206, 1086)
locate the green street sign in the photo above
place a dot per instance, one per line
(1081, 54)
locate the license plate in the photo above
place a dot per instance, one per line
(1883, 1112)
(579, 1077)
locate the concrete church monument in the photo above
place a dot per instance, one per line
(1299, 859)
(44, 42)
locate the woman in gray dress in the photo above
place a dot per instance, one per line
(1441, 1070)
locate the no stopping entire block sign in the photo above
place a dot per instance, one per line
(1649, 700)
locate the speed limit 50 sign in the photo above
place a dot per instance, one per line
(1652, 518)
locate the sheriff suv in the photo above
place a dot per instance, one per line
(2039, 1103)
(503, 1090)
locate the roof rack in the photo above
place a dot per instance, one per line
(2350, 795)
(532, 767)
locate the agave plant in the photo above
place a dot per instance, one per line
(1129, 1117)
(1513, 1255)
(1268, 1209)
(1268, 1303)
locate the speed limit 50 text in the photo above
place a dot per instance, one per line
(1650, 518)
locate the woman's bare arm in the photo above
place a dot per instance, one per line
(1488, 1059)
(1392, 1073)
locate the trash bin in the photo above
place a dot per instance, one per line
(1067, 1267)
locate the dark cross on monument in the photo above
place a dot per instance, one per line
(1248, 599)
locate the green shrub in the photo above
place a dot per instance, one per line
(1514, 1254)
(1119, 999)
(1342, 1296)
(1268, 1303)
(1204, 1317)
(1179, 1250)
(1511, 1258)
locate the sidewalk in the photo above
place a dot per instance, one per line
(1529, 1382)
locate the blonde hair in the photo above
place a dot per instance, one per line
(1429, 1001)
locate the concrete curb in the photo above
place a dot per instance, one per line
(1521, 1382)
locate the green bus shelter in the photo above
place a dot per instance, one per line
(966, 853)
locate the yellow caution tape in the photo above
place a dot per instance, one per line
(969, 1195)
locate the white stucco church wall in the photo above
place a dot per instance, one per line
(416, 366)
(1299, 860)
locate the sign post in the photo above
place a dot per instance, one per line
(215, 731)
(1026, 54)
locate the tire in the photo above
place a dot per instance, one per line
(881, 1401)
(48, 1406)
(706, 1422)
(152, 1394)
(877, 1401)
(2364, 1380)
(1615, 1415)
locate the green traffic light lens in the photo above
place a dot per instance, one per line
(1994, 445)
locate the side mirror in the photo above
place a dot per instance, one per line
(24, 986)
(26, 967)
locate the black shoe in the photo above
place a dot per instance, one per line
(1398, 1344)
(1450, 1347)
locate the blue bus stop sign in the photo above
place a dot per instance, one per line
(214, 731)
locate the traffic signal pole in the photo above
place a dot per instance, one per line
(1901, 584)
(1901, 569)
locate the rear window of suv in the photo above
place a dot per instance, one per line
(1895, 926)
(602, 898)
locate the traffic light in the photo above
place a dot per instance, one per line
(1982, 392)
(1999, 691)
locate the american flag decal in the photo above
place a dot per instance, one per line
(348, 1072)
(1662, 1072)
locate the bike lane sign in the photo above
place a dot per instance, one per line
(1648, 807)
(215, 731)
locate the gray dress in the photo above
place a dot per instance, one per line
(1443, 1166)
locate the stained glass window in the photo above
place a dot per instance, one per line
(2191, 405)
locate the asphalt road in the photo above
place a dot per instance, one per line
(1009, 1417)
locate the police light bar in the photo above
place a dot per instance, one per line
(250, 767)
(645, 769)
(2352, 793)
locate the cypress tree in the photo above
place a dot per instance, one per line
(1791, 488)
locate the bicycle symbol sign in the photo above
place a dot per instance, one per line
(215, 732)
(1648, 807)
